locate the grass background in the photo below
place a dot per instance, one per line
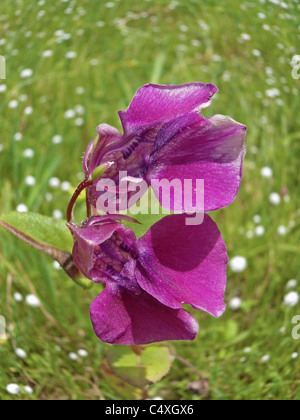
(121, 45)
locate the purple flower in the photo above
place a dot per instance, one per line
(147, 280)
(166, 137)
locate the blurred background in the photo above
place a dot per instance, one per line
(71, 65)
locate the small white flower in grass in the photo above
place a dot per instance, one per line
(184, 28)
(54, 182)
(18, 297)
(110, 5)
(28, 153)
(259, 231)
(291, 299)
(47, 54)
(3, 88)
(80, 90)
(238, 264)
(250, 234)
(30, 181)
(71, 55)
(48, 197)
(254, 150)
(243, 359)
(58, 214)
(94, 62)
(196, 43)
(79, 122)
(23, 97)
(28, 390)
(21, 353)
(275, 199)
(257, 219)
(291, 284)
(73, 356)
(22, 208)
(13, 104)
(58, 348)
(66, 186)
(57, 139)
(13, 389)
(256, 53)
(59, 33)
(245, 37)
(295, 356)
(56, 265)
(261, 15)
(80, 109)
(248, 350)
(28, 110)
(41, 13)
(235, 303)
(266, 172)
(265, 358)
(100, 24)
(26, 73)
(1, 148)
(70, 114)
(83, 353)
(18, 136)
(282, 330)
(287, 199)
(282, 230)
(33, 301)
(273, 93)
(265, 121)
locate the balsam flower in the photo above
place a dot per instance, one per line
(148, 279)
(166, 137)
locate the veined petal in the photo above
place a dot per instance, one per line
(90, 236)
(122, 317)
(184, 264)
(193, 148)
(107, 137)
(86, 239)
(153, 105)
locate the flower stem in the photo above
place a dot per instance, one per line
(86, 183)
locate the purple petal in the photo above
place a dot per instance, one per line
(184, 264)
(98, 147)
(122, 317)
(156, 104)
(192, 148)
(86, 239)
(92, 234)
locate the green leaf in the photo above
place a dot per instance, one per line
(50, 236)
(142, 369)
(121, 388)
(42, 229)
(231, 330)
